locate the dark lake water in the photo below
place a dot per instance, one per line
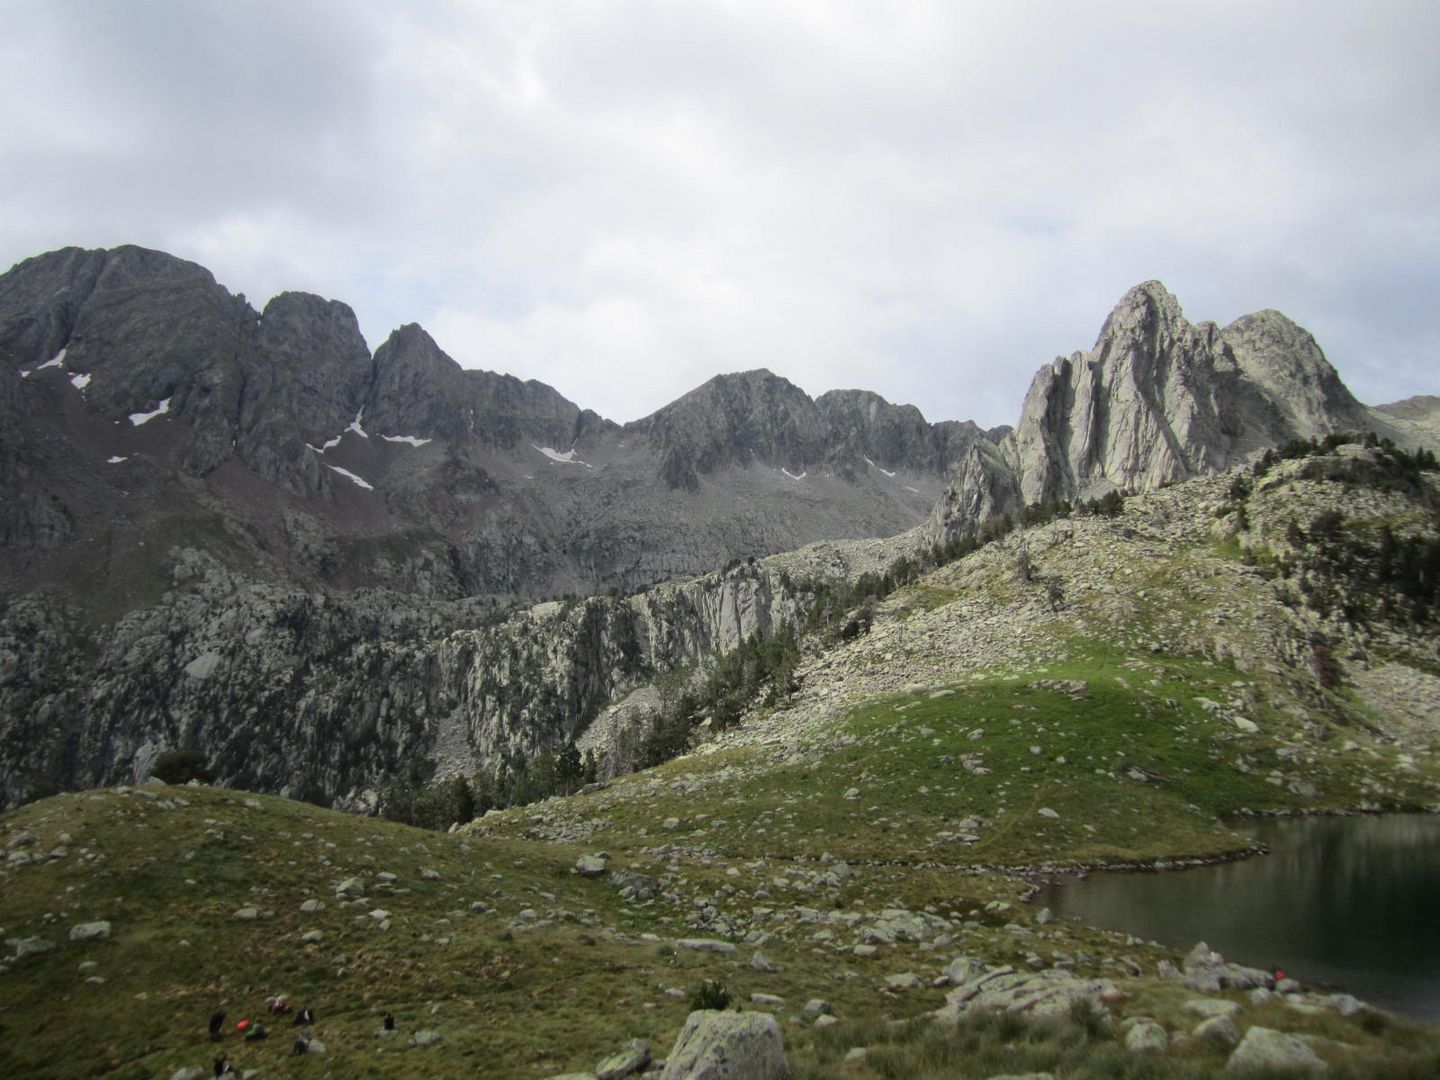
(1350, 902)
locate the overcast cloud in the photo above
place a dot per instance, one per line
(623, 199)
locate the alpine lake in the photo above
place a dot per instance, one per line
(1350, 903)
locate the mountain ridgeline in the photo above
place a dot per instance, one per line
(243, 533)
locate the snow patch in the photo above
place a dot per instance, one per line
(914, 491)
(79, 381)
(138, 418)
(413, 440)
(115, 459)
(58, 360)
(567, 458)
(792, 476)
(351, 476)
(355, 426)
(877, 468)
(330, 444)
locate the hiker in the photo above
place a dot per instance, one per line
(243, 1026)
(305, 1017)
(279, 1004)
(223, 1067)
(256, 1033)
(302, 1046)
(389, 1021)
(217, 1021)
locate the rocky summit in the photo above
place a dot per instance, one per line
(828, 692)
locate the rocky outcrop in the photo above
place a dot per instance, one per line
(1157, 400)
(327, 698)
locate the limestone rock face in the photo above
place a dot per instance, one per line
(1156, 400)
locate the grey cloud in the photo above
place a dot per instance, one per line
(926, 199)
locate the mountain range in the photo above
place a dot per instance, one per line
(244, 532)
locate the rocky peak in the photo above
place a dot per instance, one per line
(1284, 360)
(1158, 399)
(733, 419)
(313, 355)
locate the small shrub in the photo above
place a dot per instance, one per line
(710, 994)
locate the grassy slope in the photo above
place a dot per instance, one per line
(558, 970)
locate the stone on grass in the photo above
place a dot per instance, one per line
(905, 981)
(1208, 1007)
(761, 962)
(629, 1059)
(1221, 1031)
(1345, 1004)
(427, 1037)
(818, 1005)
(728, 1046)
(187, 1072)
(590, 865)
(1051, 992)
(90, 931)
(707, 945)
(1146, 1037)
(309, 907)
(1266, 1051)
(311, 937)
(29, 946)
(248, 914)
(769, 1001)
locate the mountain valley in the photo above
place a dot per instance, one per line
(843, 687)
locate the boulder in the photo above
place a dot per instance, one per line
(727, 1046)
(90, 931)
(1041, 993)
(1147, 1037)
(628, 1060)
(426, 1037)
(1220, 1031)
(1266, 1051)
(590, 865)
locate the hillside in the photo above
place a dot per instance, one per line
(1096, 688)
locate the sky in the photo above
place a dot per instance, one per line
(623, 199)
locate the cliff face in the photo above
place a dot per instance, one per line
(1155, 401)
(327, 698)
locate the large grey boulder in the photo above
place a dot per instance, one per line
(728, 1046)
(1264, 1050)
(90, 931)
(1050, 992)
